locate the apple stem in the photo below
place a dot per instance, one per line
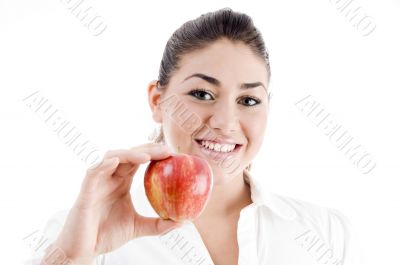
(178, 149)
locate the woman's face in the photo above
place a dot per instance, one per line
(207, 109)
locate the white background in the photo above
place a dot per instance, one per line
(99, 85)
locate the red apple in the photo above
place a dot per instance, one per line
(179, 186)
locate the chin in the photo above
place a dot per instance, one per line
(222, 176)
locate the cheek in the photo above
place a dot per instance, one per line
(171, 129)
(254, 126)
(175, 133)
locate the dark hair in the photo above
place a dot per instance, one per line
(206, 29)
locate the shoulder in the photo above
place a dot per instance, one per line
(320, 217)
(314, 213)
(322, 226)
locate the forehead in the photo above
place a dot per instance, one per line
(229, 62)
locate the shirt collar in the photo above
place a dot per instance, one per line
(261, 197)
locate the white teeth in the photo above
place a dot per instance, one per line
(218, 147)
(224, 148)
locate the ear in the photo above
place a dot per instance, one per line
(154, 95)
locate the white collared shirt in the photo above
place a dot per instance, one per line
(272, 230)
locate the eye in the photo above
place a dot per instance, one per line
(201, 94)
(249, 101)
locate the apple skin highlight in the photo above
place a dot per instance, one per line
(178, 187)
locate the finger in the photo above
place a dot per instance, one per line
(141, 154)
(107, 166)
(148, 226)
(156, 152)
(127, 156)
(124, 169)
(110, 166)
(148, 146)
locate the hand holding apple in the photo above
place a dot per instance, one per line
(103, 217)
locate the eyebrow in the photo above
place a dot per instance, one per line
(217, 83)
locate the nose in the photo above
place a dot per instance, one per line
(224, 118)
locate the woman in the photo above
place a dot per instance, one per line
(217, 67)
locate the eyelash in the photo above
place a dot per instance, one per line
(210, 93)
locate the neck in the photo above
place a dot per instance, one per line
(228, 199)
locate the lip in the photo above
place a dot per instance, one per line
(220, 141)
(214, 155)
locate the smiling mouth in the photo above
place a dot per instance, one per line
(222, 148)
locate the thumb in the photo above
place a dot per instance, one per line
(165, 226)
(148, 226)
